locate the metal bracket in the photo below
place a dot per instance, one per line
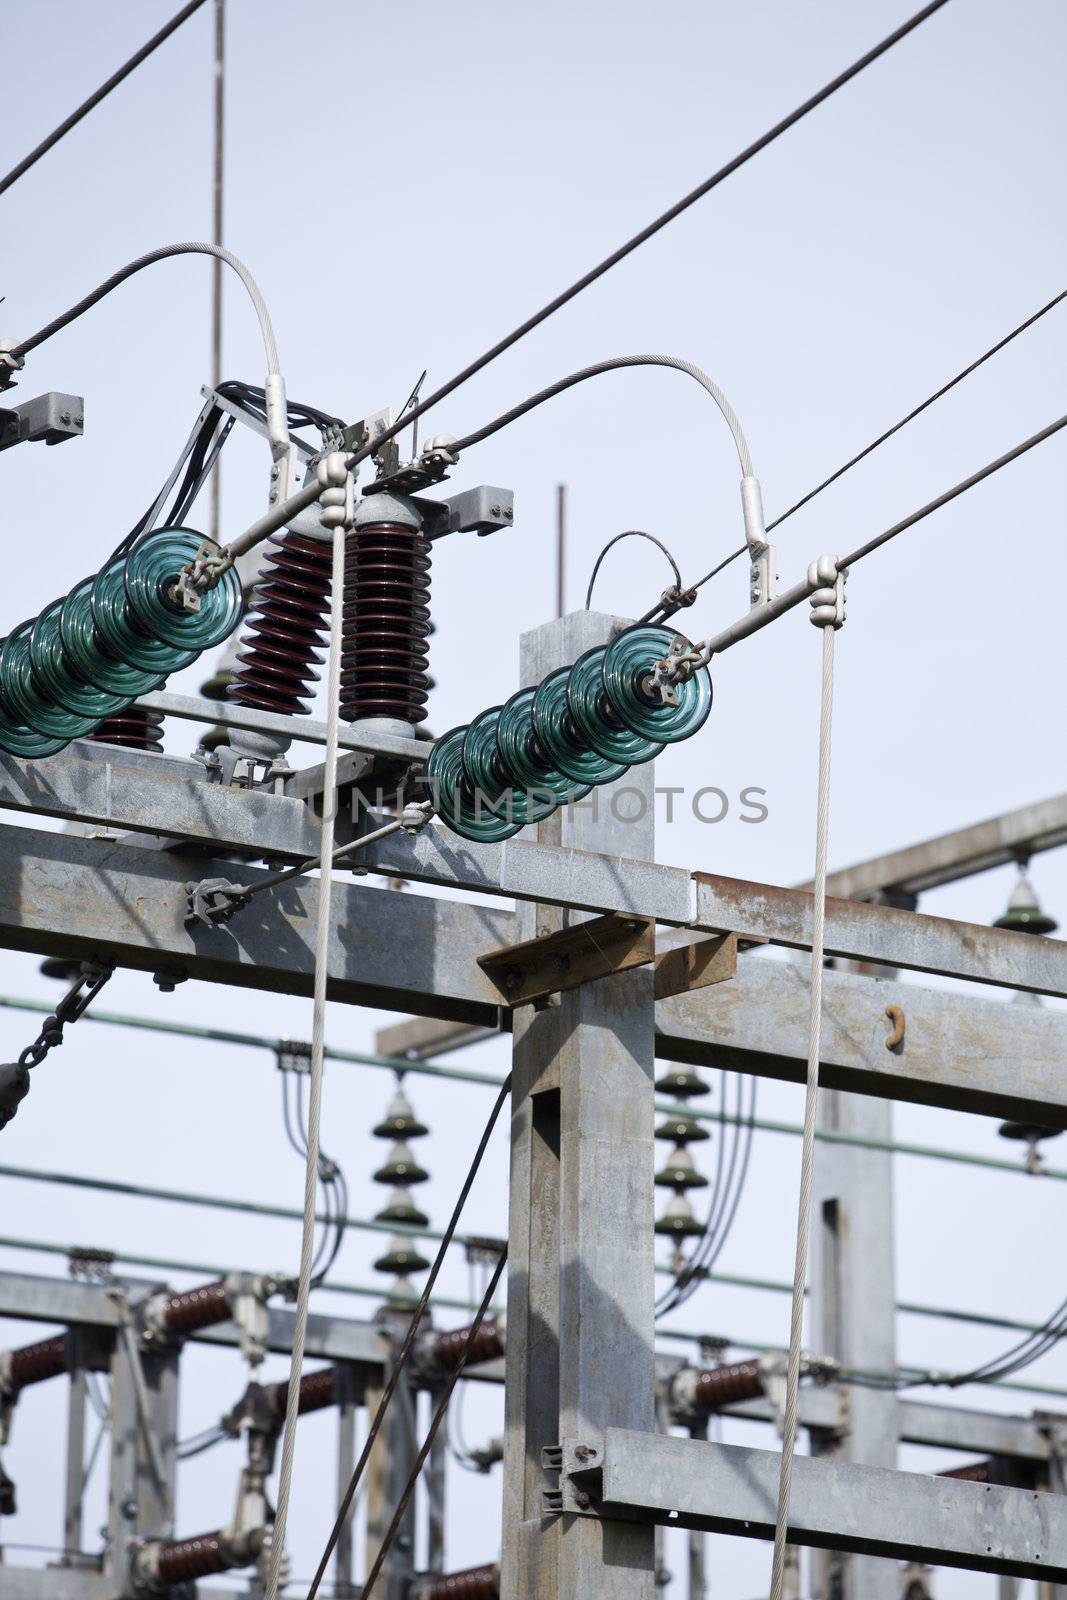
(531, 971)
(695, 966)
(50, 418)
(213, 901)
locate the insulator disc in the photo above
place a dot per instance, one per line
(150, 569)
(595, 719)
(526, 763)
(26, 700)
(455, 803)
(19, 740)
(85, 650)
(487, 776)
(558, 735)
(56, 675)
(627, 663)
(121, 636)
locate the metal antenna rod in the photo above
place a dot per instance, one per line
(216, 275)
(561, 543)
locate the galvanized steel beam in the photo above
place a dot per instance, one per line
(908, 1516)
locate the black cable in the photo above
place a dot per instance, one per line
(648, 232)
(919, 409)
(94, 99)
(409, 1338)
(613, 364)
(631, 533)
(427, 1444)
(951, 494)
(888, 434)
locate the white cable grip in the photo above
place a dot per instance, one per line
(336, 498)
(827, 583)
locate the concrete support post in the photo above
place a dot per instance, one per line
(580, 1294)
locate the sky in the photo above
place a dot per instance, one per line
(406, 184)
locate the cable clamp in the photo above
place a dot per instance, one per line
(415, 816)
(827, 583)
(677, 666)
(213, 901)
(9, 363)
(336, 493)
(204, 571)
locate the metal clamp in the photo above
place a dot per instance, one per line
(213, 901)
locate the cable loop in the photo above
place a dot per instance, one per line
(636, 533)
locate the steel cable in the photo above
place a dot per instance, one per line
(811, 1103)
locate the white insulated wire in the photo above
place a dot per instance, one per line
(811, 1101)
(318, 1034)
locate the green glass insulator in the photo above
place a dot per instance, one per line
(25, 698)
(55, 673)
(455, 802)
(527, 764)
(150, 569)
(488, 778)
(122, 636)
(85, 651)
(595, 719)
(557, 734)
(627, 663)
(19, 740)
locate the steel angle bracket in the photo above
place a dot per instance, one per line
(695, 966)
(537, 968)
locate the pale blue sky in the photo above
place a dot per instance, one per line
(406, 183)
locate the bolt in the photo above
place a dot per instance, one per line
(129, 1509)
(495, 510)
(584, 1452)
(64, 416)
(581, 1499)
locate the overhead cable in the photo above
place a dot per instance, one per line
(403, 1353)
(95, 98)
(919, 409)
(279, 515)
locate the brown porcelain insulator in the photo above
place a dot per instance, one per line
(287, 616)
(386, 623)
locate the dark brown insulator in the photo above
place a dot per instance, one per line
(184, 1560)
(35, 1362)
(197, 1308)
(285, 622)
(477, 1583)
(136, 728)
(447, 1349)
(973, 1472)
(317, 1389)
(386, 623)
(721, 1386)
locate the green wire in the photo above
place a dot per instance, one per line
(489, 1080)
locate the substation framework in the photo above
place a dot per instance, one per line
(591, 1470)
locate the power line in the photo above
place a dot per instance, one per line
(488, 1080)
(889, 432)
(951, 494)
(920, 408)
(100, 94)
(427, 1444)
(286, 510)
(397, 1366)
(760, 616)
